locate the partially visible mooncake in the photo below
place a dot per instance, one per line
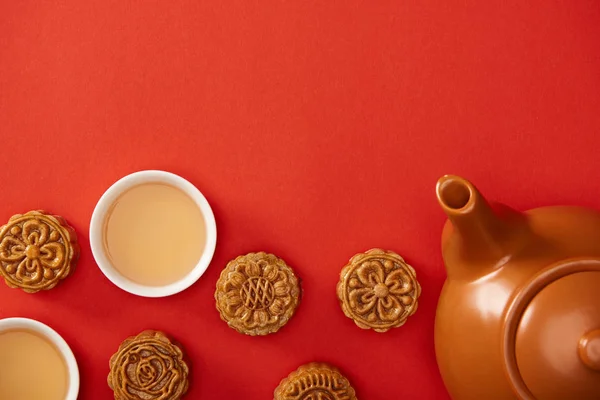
(315, 381)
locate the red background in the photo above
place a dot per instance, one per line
(316, 129)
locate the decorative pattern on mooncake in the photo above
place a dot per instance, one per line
(257, 294)
(37, 251)
(378, 290)
(148, 367)
(315, 381)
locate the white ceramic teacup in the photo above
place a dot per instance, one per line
(59, 343)
(104, 206)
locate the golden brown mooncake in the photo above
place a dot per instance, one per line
(378, 290)
(148, 367)
(257, 294)
(315, 381)
(37, 251)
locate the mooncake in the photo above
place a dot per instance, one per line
(315, 381)
(37, 251)
(257, 294)
(378, 290)
(148, 367)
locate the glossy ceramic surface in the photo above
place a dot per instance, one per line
(61, 345)
(518, 313)
(103, 208)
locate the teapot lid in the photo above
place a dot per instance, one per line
(556, 340)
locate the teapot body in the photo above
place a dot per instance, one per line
(509, 298)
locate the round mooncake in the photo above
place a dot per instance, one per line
(378, 290)
(315, 381)
(148, 367)
(37, 251)
(257, 294)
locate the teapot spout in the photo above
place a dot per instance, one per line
(476, 234)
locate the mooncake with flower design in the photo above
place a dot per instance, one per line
(378, 290)
(257, 293)
(148, 367)
(315, 381)
(37, 251)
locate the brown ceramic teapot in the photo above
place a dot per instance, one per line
(519, 315)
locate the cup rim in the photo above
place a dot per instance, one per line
(97, 224)
(50, 334)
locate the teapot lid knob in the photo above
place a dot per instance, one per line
(589, 349)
